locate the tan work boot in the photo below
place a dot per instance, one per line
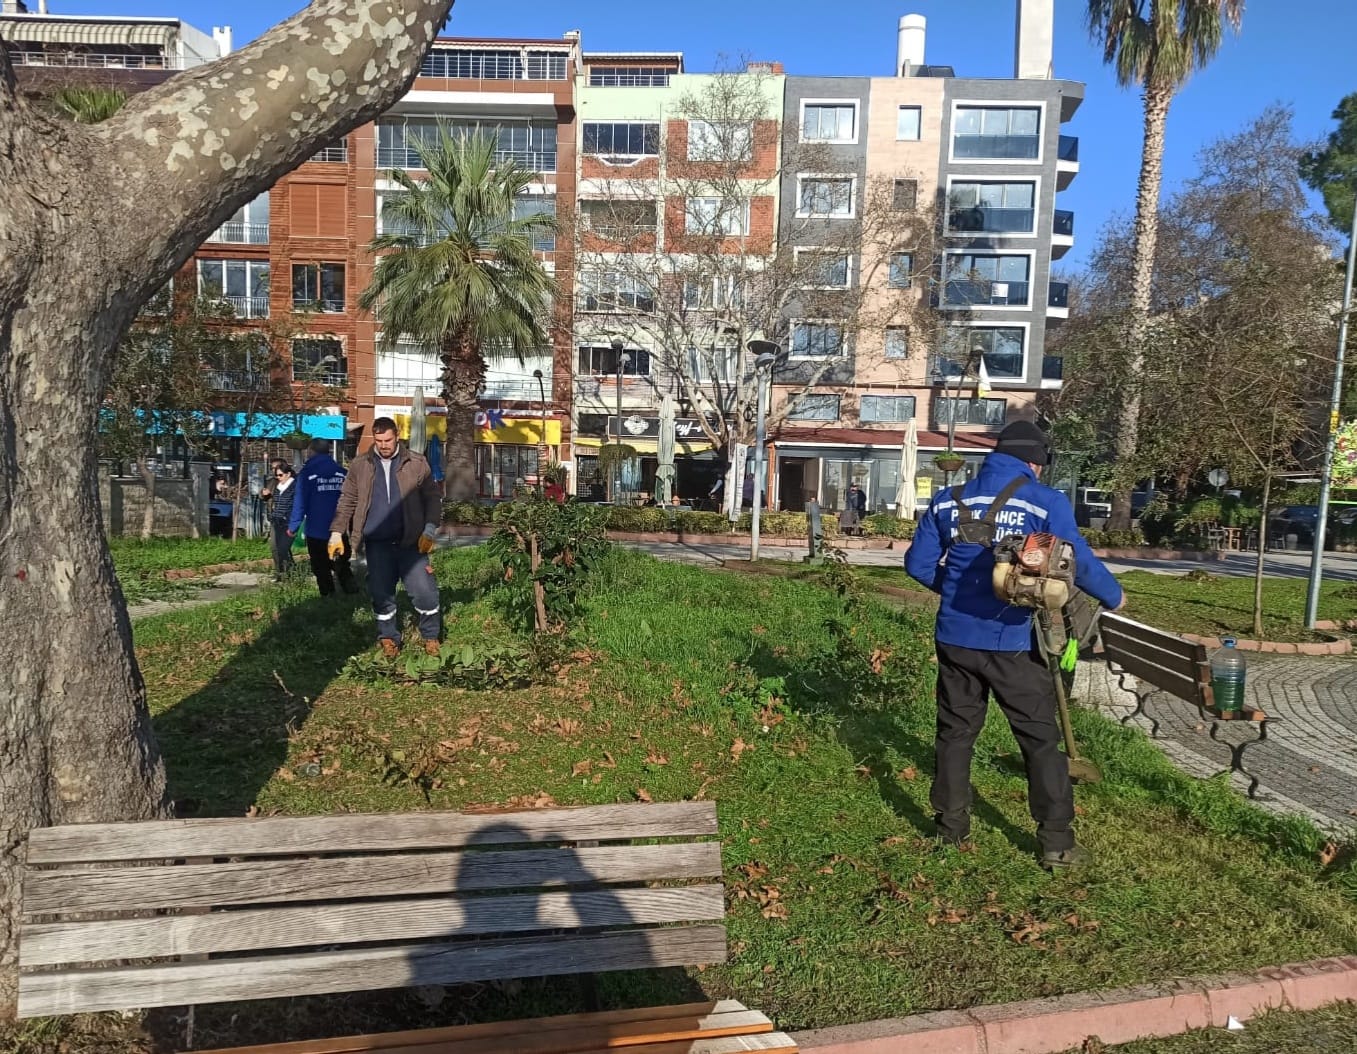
(390, 649)
(431, 647)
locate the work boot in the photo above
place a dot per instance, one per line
(390, 649)
(1065, 859)
(954, 828)
(431, 648)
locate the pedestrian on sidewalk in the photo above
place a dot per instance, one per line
(283, 494)
(986, 645)
(312, 513)
(390, 503)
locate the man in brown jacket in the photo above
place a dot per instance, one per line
(391, 505)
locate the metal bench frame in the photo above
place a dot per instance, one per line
(1148, 661)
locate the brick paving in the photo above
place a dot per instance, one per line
(1309, 762)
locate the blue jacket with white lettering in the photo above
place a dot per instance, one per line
(971, 616)
(321, 479)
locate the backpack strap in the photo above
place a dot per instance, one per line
(1014, 485)
(962, 512)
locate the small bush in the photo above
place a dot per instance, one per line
(627, 518)
(787, 524)
(467, 513)
(887, 525)
(702, 523)
(1129, 539)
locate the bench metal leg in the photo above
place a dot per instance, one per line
(1141, 699)
(1237, 752)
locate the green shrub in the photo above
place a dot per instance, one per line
(629, 518)
(702, 523)
(1129, 539)
(467, 512)
(787, 524)
(888, 525)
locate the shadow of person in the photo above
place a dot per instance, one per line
(224, 741)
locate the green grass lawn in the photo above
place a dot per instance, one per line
(1221, 606)
(817, 746)
(1332, 1030)
(141, 565)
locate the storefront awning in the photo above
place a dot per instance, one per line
(518, 431)
(90, 33)
(272, 426)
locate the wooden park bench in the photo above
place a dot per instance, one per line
(181, 912)
(1165, 662)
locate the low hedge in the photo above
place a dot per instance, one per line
(887, 525)
(1131, 539)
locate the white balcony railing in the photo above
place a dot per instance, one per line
(516, 389)
(93, 59)
(249, 306)
(241, 233)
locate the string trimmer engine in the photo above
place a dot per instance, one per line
(1034, 571)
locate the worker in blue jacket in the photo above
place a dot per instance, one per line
(321, 481)
(986, 645)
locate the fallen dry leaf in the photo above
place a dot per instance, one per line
(655, 758)
(642, 794)
(607, 762)
(582, 768)
(739, 747)
(1328, 854)
(910, 773)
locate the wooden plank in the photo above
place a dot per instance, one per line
(428, 1037)
(361, 969)
(58, 943)
(1185, 688)
(1148, 634)
(765, 1042)
(616, 1036)
(376, 832)
(339, 878)
(1184, 661)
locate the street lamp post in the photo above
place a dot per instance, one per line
(542, 435)
(1335, 409)
(765, 354)
(620, 348)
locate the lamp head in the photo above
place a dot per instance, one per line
(537, 374)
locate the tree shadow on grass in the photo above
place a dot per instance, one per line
(223, 742)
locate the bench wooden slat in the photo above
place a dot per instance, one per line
(316, 973)
(1188, 661)
(1188, 689)
(601, 1021)
(338, 878)
(54, 944)
(300, 836)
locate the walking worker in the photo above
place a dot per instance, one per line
(986, 645)
(314, 510)
(390, 505)
(283, 492)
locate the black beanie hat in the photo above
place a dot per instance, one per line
(1026, 442)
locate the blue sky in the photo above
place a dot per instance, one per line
(1282, 55)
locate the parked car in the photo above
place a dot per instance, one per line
(1092, 507)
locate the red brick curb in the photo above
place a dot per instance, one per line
(1341, 646)
(1046, 1026)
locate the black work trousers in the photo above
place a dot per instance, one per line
(1022, 685)
(326, 569)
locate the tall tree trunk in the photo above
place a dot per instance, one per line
(148, 489)
(463, 378)
(1157, 101)
(75, 736)
(1262, 557)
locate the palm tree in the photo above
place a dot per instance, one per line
(457, 271)
(88, 105)
(1155, 45)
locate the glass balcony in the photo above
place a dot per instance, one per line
(996, 147)
(1069, 148)
(986, 219)
(964, 293)
(1052, 368)
(1059, 295)
(1063, 223)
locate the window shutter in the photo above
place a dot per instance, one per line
(304, 203)
(318, 210)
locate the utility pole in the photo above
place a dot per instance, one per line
(765, 353)
(1335, 410)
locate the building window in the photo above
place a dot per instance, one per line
(882, 409)
(993, 279)
(1000, 347)
(905, 195)
(829, 122)
(526, 205)
(337, 151)
(408, 367)
(505, 65)
(720, 141)
(821, 269)
(319, 360)
(507, 378)
(997, 133)
(712, 293)
(990, 412)
(249, 225)
(825, 196)
(719, 364)
(717, 216)
(814, 408)
(629, 77)
(621, 141)
(600, 360)
(501, 468)
(318, 287)
(901, 274)
(529, 145)
(619, 220)
(816, 340)
(992, 207)
(897, 342)
(244, 284)
(610, 291)
(908, 123)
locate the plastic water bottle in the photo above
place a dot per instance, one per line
(1227, 678)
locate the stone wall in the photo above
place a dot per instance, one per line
(181, 509)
